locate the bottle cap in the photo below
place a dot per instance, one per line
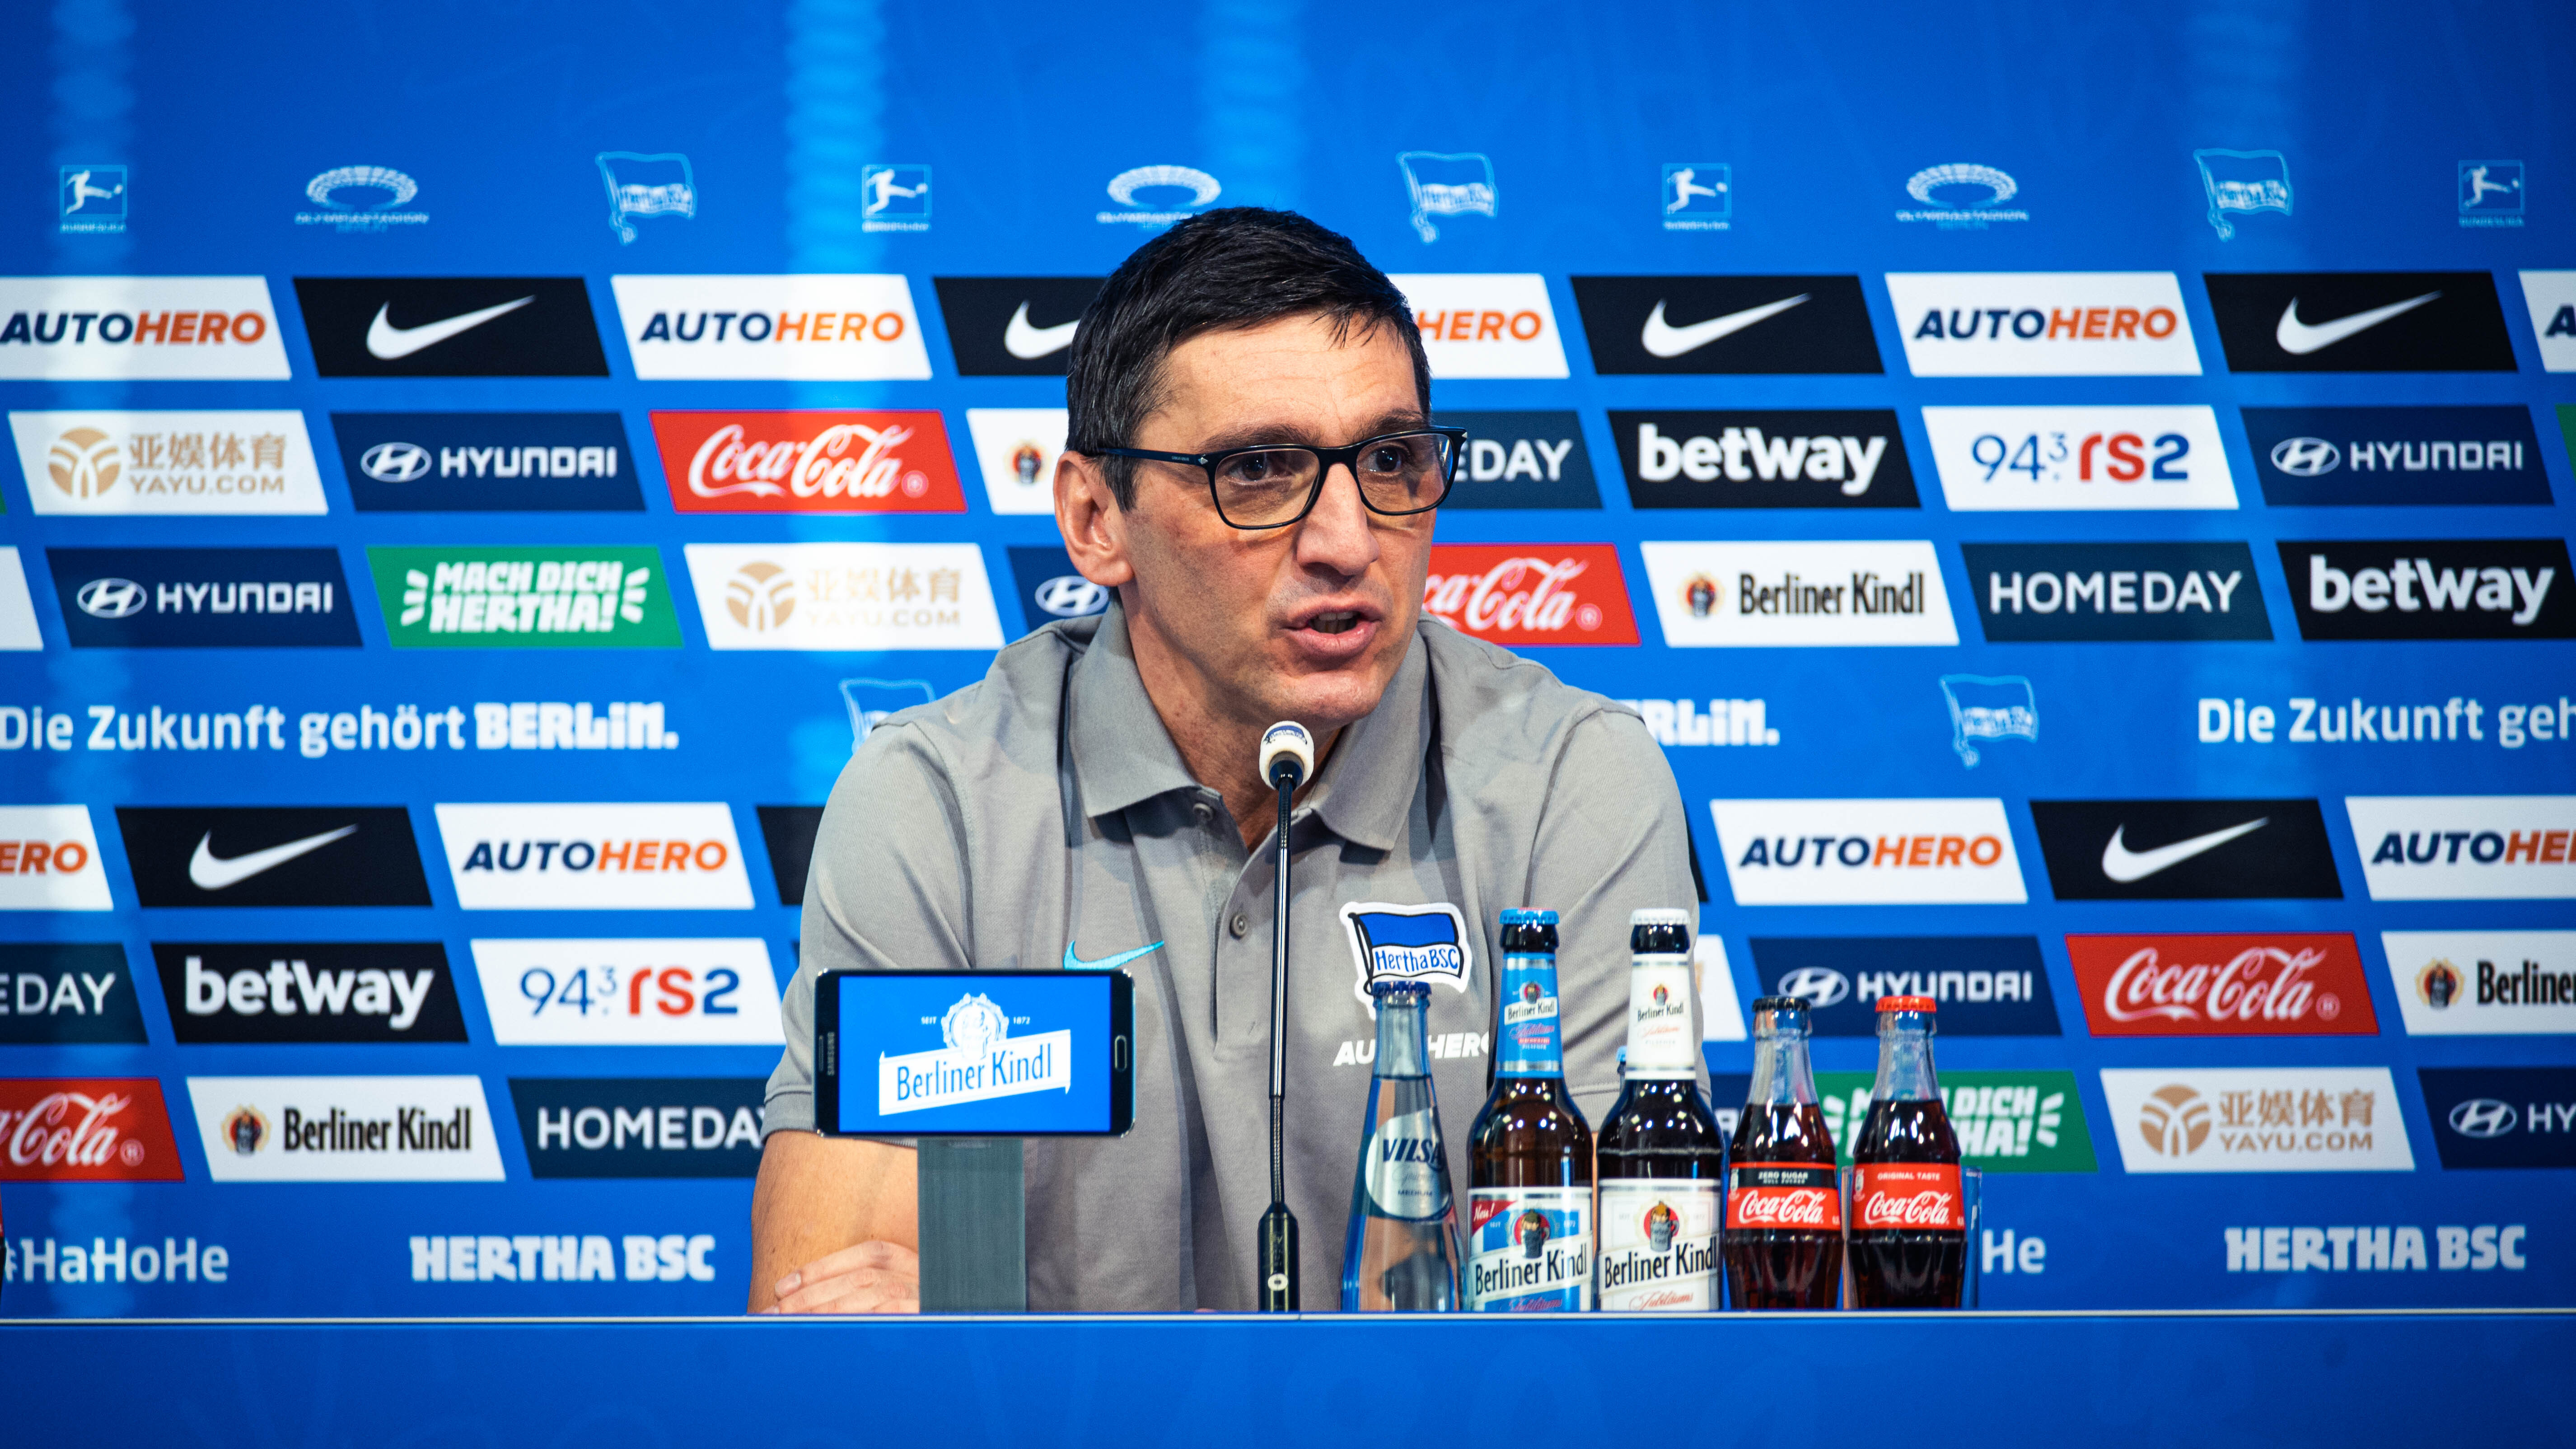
(1518, 917)
(1390, 989)
(1659, 916)
(1907, 1003)
(1782, 1003)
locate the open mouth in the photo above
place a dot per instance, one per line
(1341, 623)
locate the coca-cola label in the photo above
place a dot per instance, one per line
(1659, 1245)
(2258, 984)
(106, 1129)
(808, 462)
(1509, 593)
(1911, 1196)
(1783, 1196)
(1529, 1250)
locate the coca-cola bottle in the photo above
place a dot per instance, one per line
(1909, 1225)
(1784, 1216)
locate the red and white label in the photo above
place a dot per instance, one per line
(808, 462)
(59, 1129)
(1785, 1195)
(1909, 1195)
(1503, 593)
(2270, 984)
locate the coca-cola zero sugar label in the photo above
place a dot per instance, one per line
(1659, 1245)
(1782, 1196)
(62, 1129)
(1907, 1196)
(1529, 1250)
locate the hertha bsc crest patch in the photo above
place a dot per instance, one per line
(1407, 943)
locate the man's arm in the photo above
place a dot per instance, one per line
(832, 1227)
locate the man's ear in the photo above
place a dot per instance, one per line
(1094, 527)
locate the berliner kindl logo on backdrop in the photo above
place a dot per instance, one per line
(345, 1129)
(65, 328)
(2043, 324)
(2485, 983)
(816, 327)
(1776, 595)
(90, 463)
(860, 596)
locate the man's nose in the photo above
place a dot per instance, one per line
(1336, 534)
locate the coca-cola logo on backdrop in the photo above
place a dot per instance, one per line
(808, 462)
(85, 1130)
(1516, 594)
(2264, 984)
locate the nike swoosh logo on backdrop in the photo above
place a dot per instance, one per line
(2300, 338)
(1028, 342)
(2125, 865)
(212, 873)
(1663, 339)
(389, 342)
(1076, 963)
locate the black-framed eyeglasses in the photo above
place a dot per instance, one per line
(1274, 485)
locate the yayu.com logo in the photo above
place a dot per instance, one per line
(815, 327)
(594, 857)
(867, 596)
(2466, 847)
(61, 328)
(2268, 1119)
(2043, 324)
(808, 462)
(167, 462)
(1536, 594)
(1868, 852)
(2281, 984)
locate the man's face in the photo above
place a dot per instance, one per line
(1306, 622)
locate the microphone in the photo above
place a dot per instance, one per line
(1287, 759)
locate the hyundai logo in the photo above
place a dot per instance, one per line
(110, 598)
(2305, 457)
(394, 462)
(2482, 1117)
(1071, 596)
(1821, 985)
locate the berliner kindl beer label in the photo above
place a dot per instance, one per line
(1529, 1250)
(1661, 1040)
(1406, 1178)
(1659, 1245)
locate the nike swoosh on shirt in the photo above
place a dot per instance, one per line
(2301, 338)
(2125, 865)
(1076, 963)
(1663, 339)
(213, 873)
(389, 342)
(1028, 342)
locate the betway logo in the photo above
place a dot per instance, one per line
(2043, 324)
(594, 857)
(2433, 589)
(1515, 594)
(808, 462)
(288, 988)
(2220, 985)
(1743, 454)
(815, 327)
(2465, 847)
(1868, 852)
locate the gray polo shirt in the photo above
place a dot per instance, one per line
(1043, 818)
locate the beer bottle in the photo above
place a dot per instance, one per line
(1660, 1152)
(1401, 1252)
(1909, 1229)
(1529, 1175)
(1784, 1215)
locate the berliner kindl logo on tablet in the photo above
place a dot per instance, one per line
(977, 1060)
(1407, 943)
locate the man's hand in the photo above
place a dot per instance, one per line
(874, 1277)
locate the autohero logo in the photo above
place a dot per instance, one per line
(2487, 1117)
(345, 1129)
(67, 993)
(1522, 460)
(2396, 457)
(1962, 196)
(1868, 852)
(680, 992)
(1016, 450)
(2551, 298)
(640, 1126)
(2009, 1121)
(524, 598)
(451, 327)
(1012, 326)
(49, 857)
(2442, 588)
(85, 1129)
(1522, 594)
(196, 855)
(1049, 588)
(665, 857)
(857, 596)
(2269, 984)
(2465, 847)
(365, 199)
(1985, 985)
(808, 462)
(2116, 592)
(487, 462)
(2484, 983)
(563, 1258)
(1428, 943)
(92, 463)
(315, 991)
(2178, 850)
(59, 329)
(1705, 324)
(1817, 459)
(2082, 458)
(816, 327)
(2257, 1119)
(2043, 324)
(201, 598)
(1485, 324)
(1767, 595)
(2360, 321)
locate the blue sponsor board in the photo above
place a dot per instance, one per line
(1522, 460)
(2396, 457)
(1982, 985)
(2502, 1116)
(203, 598)
(487, 462)
(640, 1126)
(63, 993)
(2116, 592)
(1049, 589)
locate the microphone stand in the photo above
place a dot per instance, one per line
(1278, 1233)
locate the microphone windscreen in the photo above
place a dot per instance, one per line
(1287, 741)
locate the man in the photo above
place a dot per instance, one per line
(1096, 797)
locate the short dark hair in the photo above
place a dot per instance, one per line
(1239, 266)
